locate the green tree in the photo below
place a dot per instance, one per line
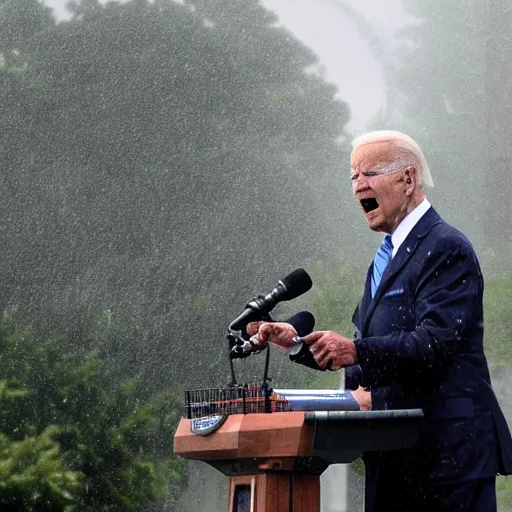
(165, 153)
(161, 162)
(33, 476)
(71, 438)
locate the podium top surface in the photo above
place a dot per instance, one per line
(332, 436)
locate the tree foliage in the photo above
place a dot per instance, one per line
(162, 163)
(33, 476)
(72, 439)
(163, 160)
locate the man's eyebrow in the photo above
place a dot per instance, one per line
(383, 169)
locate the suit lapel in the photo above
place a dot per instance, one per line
(360, 312)
(406, 250)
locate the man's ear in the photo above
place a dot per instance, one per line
(410, 179)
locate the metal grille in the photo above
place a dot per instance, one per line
(232, 400)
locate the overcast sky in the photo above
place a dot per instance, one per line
(346, 59)
(345, 56)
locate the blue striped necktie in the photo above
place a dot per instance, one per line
(380, 262)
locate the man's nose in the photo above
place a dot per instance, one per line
(359, 184)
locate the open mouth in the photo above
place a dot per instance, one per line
(369, 204)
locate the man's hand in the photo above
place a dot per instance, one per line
(330, 346)
(277, 333)
(363, 398)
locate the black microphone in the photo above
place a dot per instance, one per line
(303, 322)
(301, 353)
(290, 287)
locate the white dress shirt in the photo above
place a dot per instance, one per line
(408, 222)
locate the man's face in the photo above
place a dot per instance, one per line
(384, 198)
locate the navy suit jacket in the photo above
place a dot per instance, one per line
(420, 345)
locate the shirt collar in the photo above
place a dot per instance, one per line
(408, 222)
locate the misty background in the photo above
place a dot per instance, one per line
(163, 162)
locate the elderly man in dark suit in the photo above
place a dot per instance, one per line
(419, 342)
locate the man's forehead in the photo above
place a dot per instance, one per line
(371, 155)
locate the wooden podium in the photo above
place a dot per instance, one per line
(274, 460)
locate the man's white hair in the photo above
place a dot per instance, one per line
(407, 151)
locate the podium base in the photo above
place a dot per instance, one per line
(274, 492)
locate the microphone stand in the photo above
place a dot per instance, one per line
(240, 347)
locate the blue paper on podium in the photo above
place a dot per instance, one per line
(318, 399)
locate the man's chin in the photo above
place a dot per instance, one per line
(374, 223)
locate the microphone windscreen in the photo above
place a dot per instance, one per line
(296, 283)
(304, 322)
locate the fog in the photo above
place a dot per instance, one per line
(163, 162)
